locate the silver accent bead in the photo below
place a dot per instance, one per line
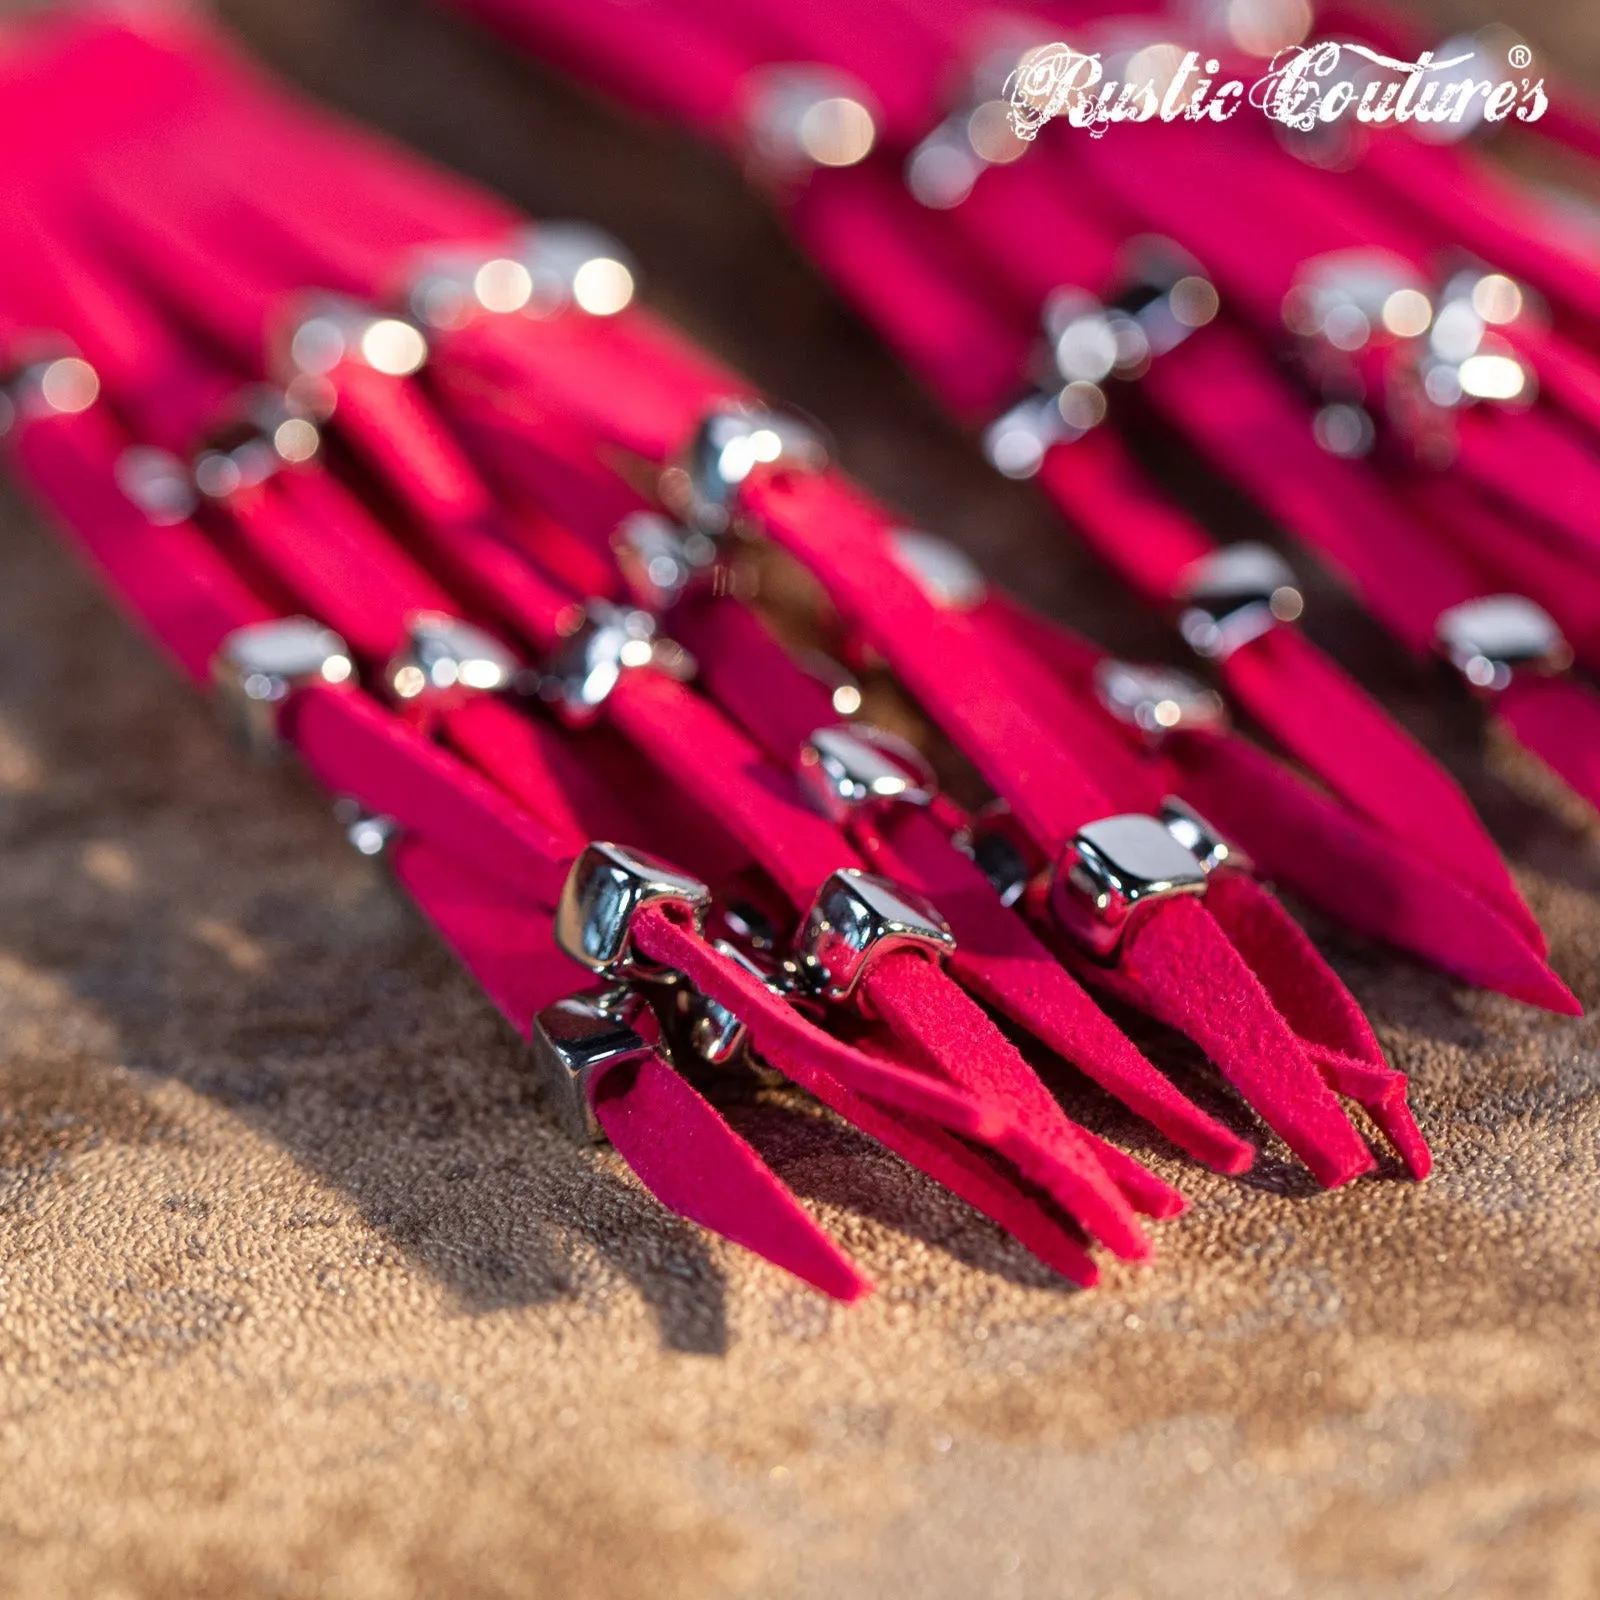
(578, 676)
(1115, 870)
(370, 833)
(855, 768)
(330, 329)
(995, 847)
(714, 1034)
(572, 1041)
(800, 116)
(1234, 595)
(1200, 839)
(445, 662)
(856, 920)
(52, 386)
(157, 482)
(606, 888)
(1165, 293)
(257, 668)
(1346, 299)
(1157, 700)
(661, 560)
(731, 443)
(1017, 441)
(544, 270)
(1489, 641)
(1467, 362)
(267, 434)
(946, 574)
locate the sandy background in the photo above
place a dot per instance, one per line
(299, 1295)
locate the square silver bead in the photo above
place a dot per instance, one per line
(856, 920)
(605, 890)
(1113, 871)
(572, 1041)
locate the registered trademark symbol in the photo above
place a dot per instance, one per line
(1520, 56)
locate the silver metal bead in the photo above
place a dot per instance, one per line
(575, 1039)
(995, 845)
(445, 662)
(607, 887)
(268, 433)
(1165, 293)
(711, 1031)
(1346, 299)
(946, 574)
(1490, 640)
(1200, 839)
(1089, 341)
(856, 920)
(157, 482)
(1114, 871)
(1466, 361)
(1017, 441)
(58, 385)
(1157, 700)
(544, 270)
(734, 441)
(800, 116)
(579, 675)
(1234, 595)
(661, 560)
(330, 329)
(371, 834)
(855, 768)
(257, 668)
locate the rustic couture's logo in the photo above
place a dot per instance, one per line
(1305, 86)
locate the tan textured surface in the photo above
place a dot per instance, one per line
(298, 1295)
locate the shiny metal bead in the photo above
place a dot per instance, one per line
(53, 386)
(1157, 700)
(711, 1031)
(1200, 839)
(661, 560)
(1346, 299)
(267, 434)
(257, 668)
(1089, 341)
(580, 673)
(156, 481)
(1016, 442)
(1166, 293)
(856, 920)
(1467, 361)
(946, 574)
(370, 833)
(445, 662)
(544, 270)
(576, 1038)
(331, 329)
(800, 116)
(606, 888)
(1489, 641)
(731, 444)
(854, 768)
(996, 846)
(1114, 871)
(1234, 595)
